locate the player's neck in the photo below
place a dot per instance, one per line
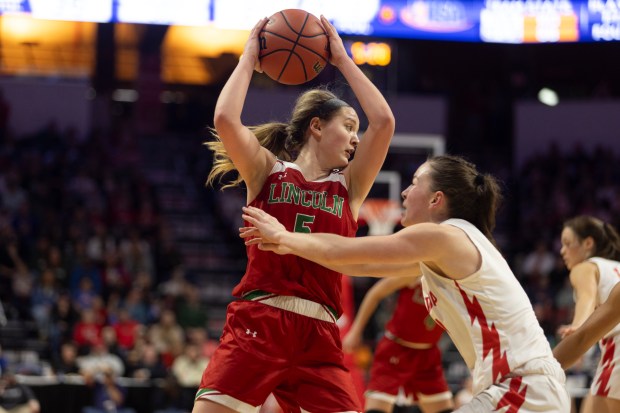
(310, 167)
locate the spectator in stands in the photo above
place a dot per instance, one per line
(108, 394)
(45, 293)
(200, 337)
(81, 266)
(87, 331)
(127, 329)
(65, 362)
(100, 244)
(149, 365)
(99, 360)
(108, 335)
(188, 367)
(16, 397)
(191, 311)
(167, 336)
(55, 263)
(136, 304)
(63, 319)
(116, 278)
(175, 284)
(135, 253)
(538, 262)
(84, 295)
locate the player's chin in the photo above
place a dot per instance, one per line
(404, 221)
(342, 165)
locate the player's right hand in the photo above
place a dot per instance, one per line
(252, 48)
(336, 48)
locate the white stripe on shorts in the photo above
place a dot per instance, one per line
(300, 306)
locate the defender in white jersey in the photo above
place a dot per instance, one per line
(591, 251)
(469, 289)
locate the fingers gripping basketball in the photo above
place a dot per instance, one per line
(294, 47)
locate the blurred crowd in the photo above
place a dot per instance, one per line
(87, 260)
(87, 257)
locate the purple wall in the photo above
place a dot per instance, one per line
(588, 124)
(37, 102)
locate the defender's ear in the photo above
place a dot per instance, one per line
(589, 244)
(438, 199)
(315, 124)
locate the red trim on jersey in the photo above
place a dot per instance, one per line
(609, 348)
(515, 397)
(490, 336)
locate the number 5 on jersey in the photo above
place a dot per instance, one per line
(302, 223)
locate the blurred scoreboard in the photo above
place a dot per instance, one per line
(493, 21)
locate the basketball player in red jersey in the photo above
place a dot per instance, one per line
(407, 360)
(281, 334)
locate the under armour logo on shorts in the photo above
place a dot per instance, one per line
(251, 333)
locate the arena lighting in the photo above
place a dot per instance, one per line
(548, 97)
(493, 21)
(373, 53)
(125, 95)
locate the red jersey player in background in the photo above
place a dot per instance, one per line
(407, 360)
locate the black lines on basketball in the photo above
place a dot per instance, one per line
(293, 47)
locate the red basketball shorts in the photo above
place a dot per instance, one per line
(264, 349)
(418, 373)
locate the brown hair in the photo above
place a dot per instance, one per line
(472, 196)
(605, 236)
(284, 140)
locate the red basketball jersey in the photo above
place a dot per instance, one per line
(411, 321)
(301, 206)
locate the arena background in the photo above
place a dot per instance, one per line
(102, 167)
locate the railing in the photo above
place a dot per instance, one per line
(69, 394)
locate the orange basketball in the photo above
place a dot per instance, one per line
(294, 48)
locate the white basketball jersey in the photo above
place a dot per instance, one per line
(487, 314)
(609, 276)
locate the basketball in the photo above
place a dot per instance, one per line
(294, 48)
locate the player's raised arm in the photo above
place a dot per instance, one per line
(372, 149)
(250, 159)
